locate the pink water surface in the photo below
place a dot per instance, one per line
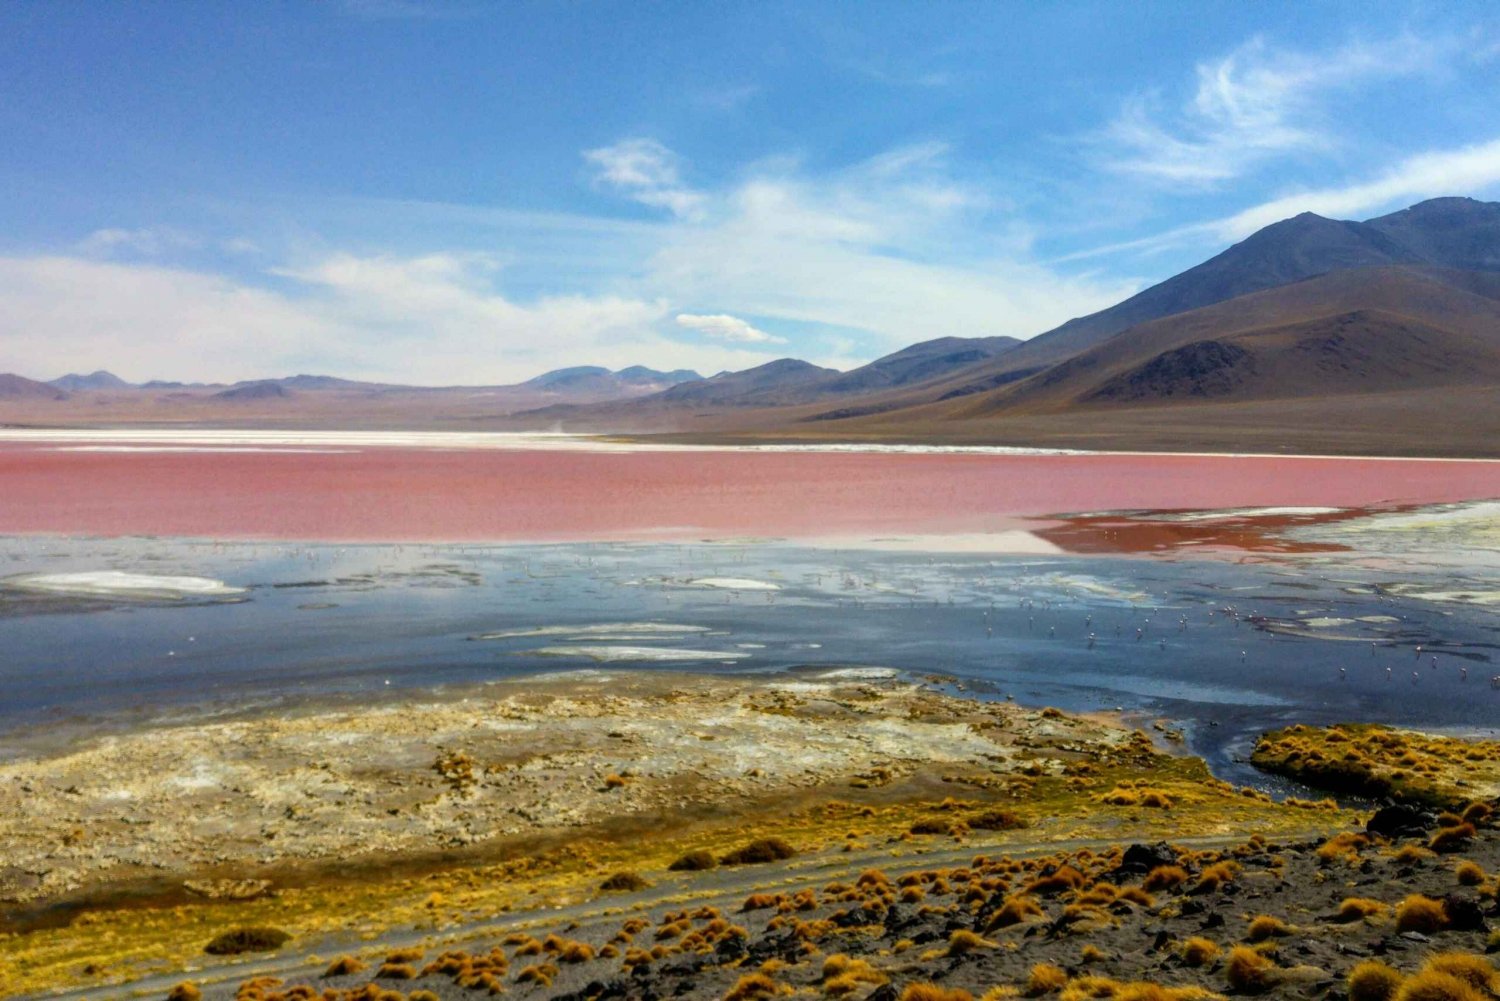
(409, 494)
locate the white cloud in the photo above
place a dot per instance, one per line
(723, 327)
(1465, 171)
(1252, 106)
(149, 241)
(648, 172)
(893, 247)
(428, 320)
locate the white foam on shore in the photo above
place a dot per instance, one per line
(598, 631)
(733, 584)
(653, 654)
(562, 441)
(1011, 541)
(217, 449)
(117, 584)
(1228, 513)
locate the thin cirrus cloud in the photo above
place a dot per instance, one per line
(1253, 106)
(1472, 170)
(648, 172)
(722, 327)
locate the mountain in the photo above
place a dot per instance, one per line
(640, 375)
(770, 384)
(265, 389)
(1457, 233)
(1353, 331)
(74, 383)
(17, 387)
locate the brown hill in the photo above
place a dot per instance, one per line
(18, 387)
(1368, 330)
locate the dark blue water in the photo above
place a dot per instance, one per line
(1201, 642)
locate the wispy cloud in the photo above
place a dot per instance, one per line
(1254, 105)
(148, 241)
(1467, 170)
(648, 172)
(723, 327)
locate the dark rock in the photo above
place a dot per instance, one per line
(1191, 907)
(885, 992)
(1464, 912)
(1141, 859)
(1398, 820)
(1214, 920)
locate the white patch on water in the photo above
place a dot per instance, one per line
(1225, 514)
(115, 583)
(599, 631)
(733, 584)
(860, 673)
(1327, 622)
(1015, 541)
(654, 654)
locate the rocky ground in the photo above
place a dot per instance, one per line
(1267, 918)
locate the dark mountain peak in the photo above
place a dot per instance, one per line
(74, 382)
(265, 389)
(775, 382)
(637, 375)
(1461, 233)
(320, 382)
(561, 378)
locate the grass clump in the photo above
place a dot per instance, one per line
(1431, 985)
(1358, 908)
(185, 991)
(344, 966)
(932, 992)
(759, 851)
(1164, 877)
(624, 882)
(1249, 971)
(750, 987)
(240, 940)
(1265, 926)
(1476, 971)
(1451, 839)
(997, 820)
(1045, 979)
(696, 861)
(396, 971)
(1199, 951)
(1373, 980)
(1421, 914)
(963, 941)
(1469, 873)
(1016, 910)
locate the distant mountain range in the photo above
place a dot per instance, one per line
(1312, 334)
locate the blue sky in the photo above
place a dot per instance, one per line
(476, 192)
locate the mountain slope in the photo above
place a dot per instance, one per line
(18, 387)
(1363, 330)
(73, 382)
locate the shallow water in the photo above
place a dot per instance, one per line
(1228, 649)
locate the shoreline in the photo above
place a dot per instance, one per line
(618, 442)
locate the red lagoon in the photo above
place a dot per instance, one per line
(413, 494)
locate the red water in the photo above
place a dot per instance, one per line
(413, 494)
